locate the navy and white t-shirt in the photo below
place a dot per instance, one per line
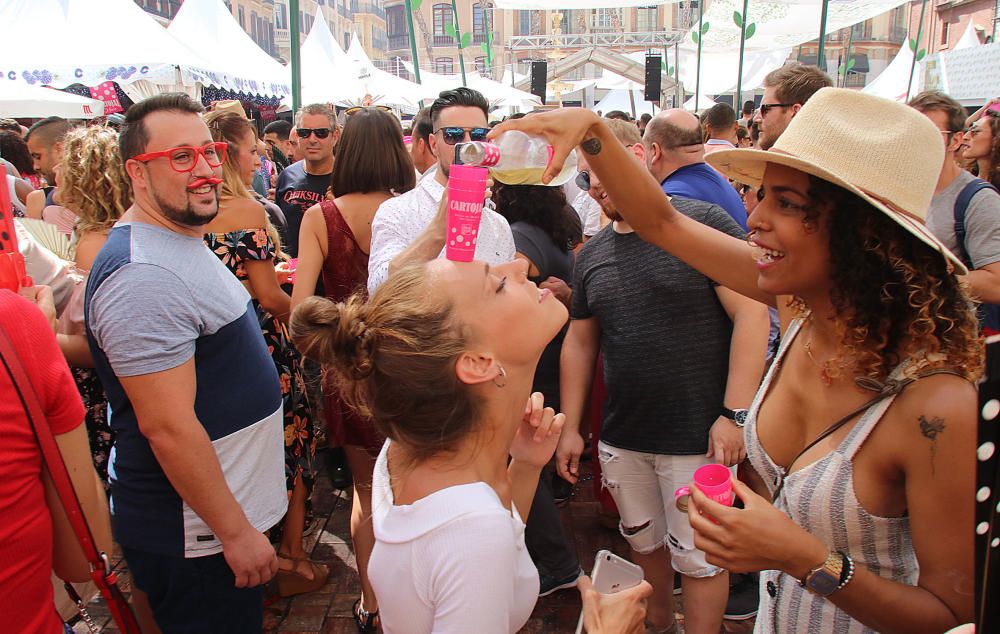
(154, 300)
(295, 192)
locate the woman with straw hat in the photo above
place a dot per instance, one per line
(862, 435)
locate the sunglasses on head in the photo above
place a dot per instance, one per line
(321, 133)
(357, 109)
(454, 134)
(583, 180)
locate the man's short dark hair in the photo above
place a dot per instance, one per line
(796, 83)
(422, 128)
(280, 127)
(49, 130)
(11, 125)
(721, 117)
(748, 107)
(133, 137)
(933, 100)
(618, 114)
(646, 117)
(458, 97)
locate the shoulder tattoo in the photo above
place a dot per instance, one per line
(591, 146)
(930, 430)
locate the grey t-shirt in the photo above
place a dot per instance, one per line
(664, 337)
(982, 221)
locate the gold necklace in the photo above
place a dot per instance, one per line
(825, 367)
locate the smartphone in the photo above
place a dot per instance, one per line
(612, 574)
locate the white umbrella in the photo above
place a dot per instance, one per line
(23, 100)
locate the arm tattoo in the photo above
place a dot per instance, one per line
(592, 146)
(930, 429)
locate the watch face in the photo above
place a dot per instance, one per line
(822, 583)
(740, 417)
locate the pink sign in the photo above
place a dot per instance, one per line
(106, 92)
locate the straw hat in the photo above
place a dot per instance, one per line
(229, 105)
(886, 153)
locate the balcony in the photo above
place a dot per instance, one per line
(369, 7)
(281, 37)
(598, 40)
(479, 38)
(399, 42)
(444, 40)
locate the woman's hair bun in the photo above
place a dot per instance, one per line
(335, 335)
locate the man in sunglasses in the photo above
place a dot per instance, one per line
(307, 181)
(786, 90)
(197, 471)
(411, 227)
(959, 194)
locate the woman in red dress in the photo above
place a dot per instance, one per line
(334, 240)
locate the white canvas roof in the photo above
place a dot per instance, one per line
(328, 74)
(496, 93)
(232, 60)
(385, 87)
(63, 42)
(19, 99)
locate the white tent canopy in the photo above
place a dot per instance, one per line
(234, 61)
(63, 42)
(385, 87)
(891, 82)
(328, 74)
(18, 99)
(619, 100)
(495, 92)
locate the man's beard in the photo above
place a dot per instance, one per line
(612, 214)
(186, 216)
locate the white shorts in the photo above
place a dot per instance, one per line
(643, 485)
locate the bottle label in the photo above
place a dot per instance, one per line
(491, 154)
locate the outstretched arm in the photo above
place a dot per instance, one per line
(640, 200)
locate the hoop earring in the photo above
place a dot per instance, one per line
(503, 373)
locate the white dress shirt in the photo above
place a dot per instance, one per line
(400, 220)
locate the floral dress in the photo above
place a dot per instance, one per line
(234, 249)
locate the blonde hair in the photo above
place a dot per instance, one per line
(92, 179)
(624, 131)
(230, 127)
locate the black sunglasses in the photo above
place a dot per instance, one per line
(453, 134)
(321, 133)
(583, 180)
(764, 107)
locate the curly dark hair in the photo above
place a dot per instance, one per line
(893, 295)
(14, 150)
(542, 206)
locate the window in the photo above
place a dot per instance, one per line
(481, 66)
(281, 16)
(477, 21)
(242, 18)
(347, 41)
(442, 16)
(253, 25)
(945, 28)
(395, 20)
(605, 19)
(524, 22)
(647, 19)
(567, 25)
(444, 66)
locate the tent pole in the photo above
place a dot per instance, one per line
(821, 53)
(916, 47)
(697, 80)
(678, 91)
(293, 9)
(413, 41)
(458, 39)
(738, 103)
(489, 40)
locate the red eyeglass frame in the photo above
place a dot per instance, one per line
(220, 147)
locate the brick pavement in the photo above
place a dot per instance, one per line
(328, 611)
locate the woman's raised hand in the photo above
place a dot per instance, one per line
(537, 435)
(565, 129)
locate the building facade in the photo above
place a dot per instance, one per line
(945, 21)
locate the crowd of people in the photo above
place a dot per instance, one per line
(799, 292)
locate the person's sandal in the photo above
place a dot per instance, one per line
(365, 620)
(292, 582)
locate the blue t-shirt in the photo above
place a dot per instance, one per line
(701, 182)
(156, 299)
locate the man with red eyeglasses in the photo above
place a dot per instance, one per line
(307, 181)
(197, 470)
(411, 223)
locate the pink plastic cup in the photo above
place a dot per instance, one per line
(292, 264)
(466, 195)
(714, 480)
